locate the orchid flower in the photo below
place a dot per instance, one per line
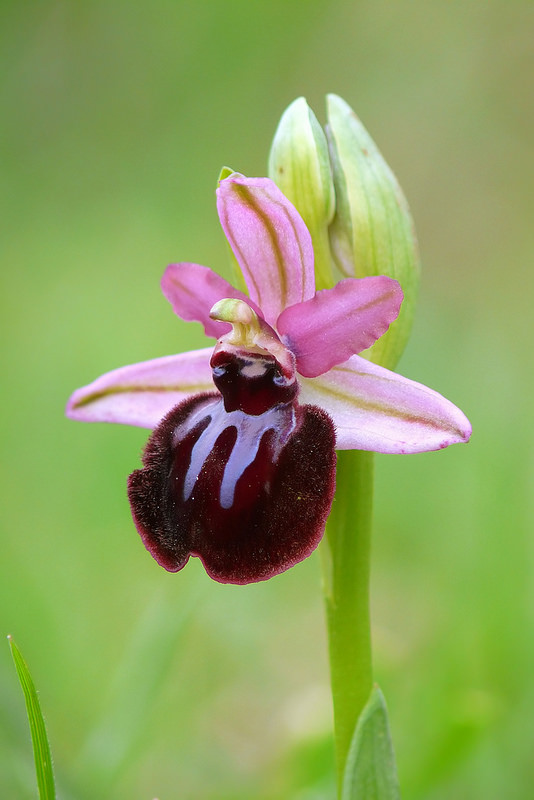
(240, 468)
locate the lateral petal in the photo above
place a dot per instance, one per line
(192, 290)
(340, 322)
(270, 241)
(142, 394)
(375, 409)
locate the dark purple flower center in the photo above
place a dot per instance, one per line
(243, 479)
(251, 382)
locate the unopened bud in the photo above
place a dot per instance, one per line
(299, 164)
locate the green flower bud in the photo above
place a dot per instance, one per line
(299, 164)
(372, 232)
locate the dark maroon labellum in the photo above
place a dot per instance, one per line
(244, 481)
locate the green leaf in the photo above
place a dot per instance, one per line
(41, 748)
(370, 771)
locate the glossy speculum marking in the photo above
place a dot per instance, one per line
(243, 479)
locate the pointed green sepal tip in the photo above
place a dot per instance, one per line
(299, 164)
(372, 232)
(225, 173)
(370, 770)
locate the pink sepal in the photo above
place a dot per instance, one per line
(142, 394)
(375, 409)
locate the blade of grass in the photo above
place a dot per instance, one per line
(41, 748)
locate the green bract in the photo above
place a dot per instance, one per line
(372, 232)
(352, 204)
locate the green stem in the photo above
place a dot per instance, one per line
(346, 569)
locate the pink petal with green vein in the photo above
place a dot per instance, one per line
(375, 409)
(192, 290)
(141, 394)
(339, 322)
(270, 241)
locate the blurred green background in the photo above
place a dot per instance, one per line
(117, 117)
